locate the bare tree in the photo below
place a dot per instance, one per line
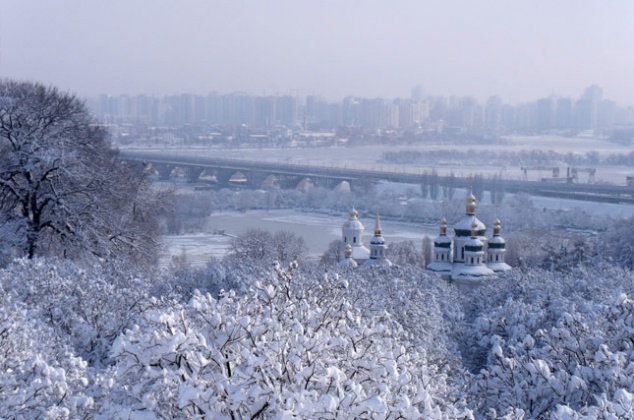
(63, 190)
(255, 244)
(288, 247)
(405, 253)
(262, 245)
(427, 250)
(334, 253)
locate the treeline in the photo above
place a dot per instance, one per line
(505, 158)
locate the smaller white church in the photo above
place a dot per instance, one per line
(356, 253)
(469, 257)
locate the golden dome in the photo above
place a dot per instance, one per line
(497, 227)
(348, 251)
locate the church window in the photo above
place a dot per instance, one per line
(354, 239)
(471, 260)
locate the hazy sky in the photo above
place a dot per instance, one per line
(520, 50)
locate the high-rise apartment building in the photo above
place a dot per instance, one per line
(546, 113)
(563, 118)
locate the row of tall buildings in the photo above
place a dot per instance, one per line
(314, 113)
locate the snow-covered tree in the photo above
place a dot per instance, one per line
(550, 343)
(40, 377)
(585, 359)
(425, 306)
(63, 190)
(274, 352)
(86, 307)
(619, 243)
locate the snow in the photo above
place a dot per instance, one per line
(317, 230)
(198, 248)
(467, 222)
(471, 274)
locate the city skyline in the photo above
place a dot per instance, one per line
(417, 93)
(336, 49)
(590, 111)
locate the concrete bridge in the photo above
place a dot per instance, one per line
(289, 175)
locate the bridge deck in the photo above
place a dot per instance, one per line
(587, 192)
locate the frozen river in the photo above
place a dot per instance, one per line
(318, 230)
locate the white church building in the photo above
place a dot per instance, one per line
(466, 257)
(469, 257)
(356, 253)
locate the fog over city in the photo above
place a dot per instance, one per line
(519, 51)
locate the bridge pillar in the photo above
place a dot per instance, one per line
(255, 179)
(164, 171)
(238, 179)
(271, 182)
(305, 185)
(328, 183)
(223, 176)
(362, 186)
(343, 187)
(193, 173)
(288, 182)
